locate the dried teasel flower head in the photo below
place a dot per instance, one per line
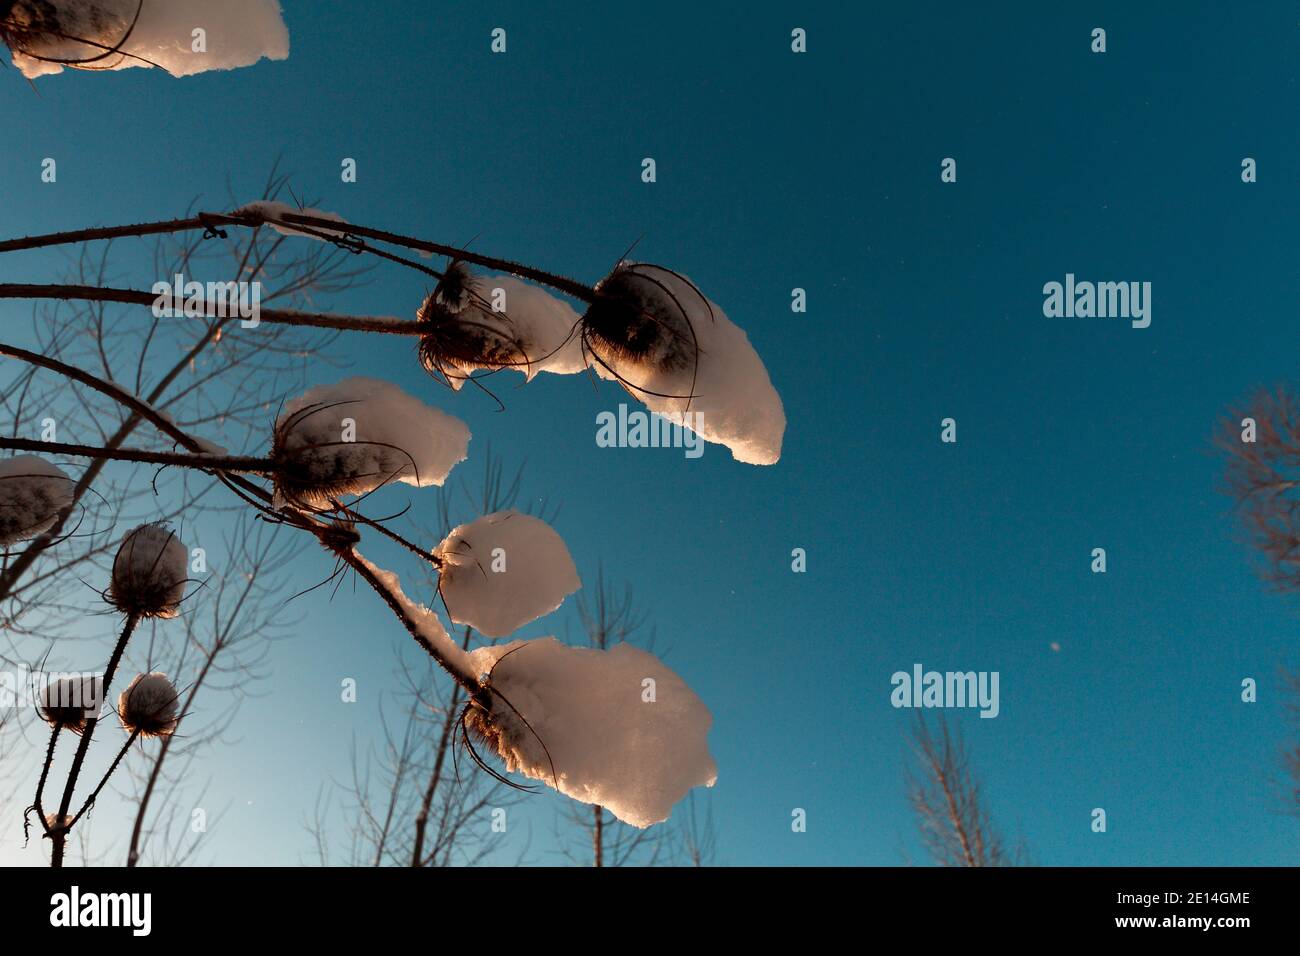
(69, 702)
(148, 706)
(464, 332)
(644, 317)
(358, 435)
(32, 493)
(149, 573)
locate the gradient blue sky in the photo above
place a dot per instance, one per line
(820, 171)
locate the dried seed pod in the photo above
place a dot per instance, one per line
(464, 332)
(148, 706)
(149, 573)
(638, 320)
(32, 493)
(70, 702)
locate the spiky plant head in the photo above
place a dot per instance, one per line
(638, 320)
(148, 706)
(32, 493)
(70, 702)
(149, 573)
(463, 333)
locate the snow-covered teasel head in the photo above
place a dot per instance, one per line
(496, 322)
(677, 352)
(148, 706)
(463, 332)
(612, 727)
(639, 321)
(32, 493)
(358, 435)
(502, 571)
(69, 702)
(149, 573)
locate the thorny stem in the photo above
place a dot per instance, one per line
(59, 833)
(319, 320)
(45, 773)
(466, 681)
(257, 466)
(208, 221)
(576, 289)
(90, 800)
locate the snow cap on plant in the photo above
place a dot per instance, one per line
(69, 702)
(503, 570)
(149, 573)
(356, 436)
(638, 321)
(495, 322)
(653, 331)
(32, 493)
(148, 706)
(462, 330)
(611, 727)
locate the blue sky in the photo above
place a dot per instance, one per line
(820, 171)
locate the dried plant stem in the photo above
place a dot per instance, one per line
(237, 463)
(326, 228)
(466, 680)
(59, 833)
(318, 320)
(45, 775)
(90, 800)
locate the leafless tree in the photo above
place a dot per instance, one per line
(955, 825)
(1262, 475)
(1260, 444)
(695, 839)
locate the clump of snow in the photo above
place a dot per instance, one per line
(496, 322)
(235, 33)
(273, 212)
(610, 727)
(69, 702)
(148, 706)
(32, 493)
(357, 435)
(504, 570)
(149, 573)
(678, 353)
